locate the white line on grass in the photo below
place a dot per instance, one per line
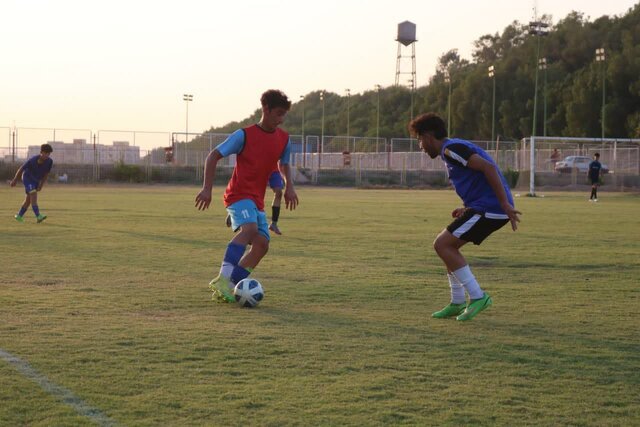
(60, 392)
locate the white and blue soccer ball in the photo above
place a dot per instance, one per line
(248, 292)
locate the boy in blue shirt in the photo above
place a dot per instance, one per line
(488, 206)
(595, 168)
(34, 174)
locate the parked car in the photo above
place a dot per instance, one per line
(581, 163)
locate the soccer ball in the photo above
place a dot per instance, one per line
(248, 292)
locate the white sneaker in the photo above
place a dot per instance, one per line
(595, 200)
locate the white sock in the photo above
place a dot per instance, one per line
(465, 276)
(226, 269)
(457, 290)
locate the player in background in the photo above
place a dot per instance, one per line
(277, 184)
(488, 206)
(34, 172)
(260, 148)
(595, 168)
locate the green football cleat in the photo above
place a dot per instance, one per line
(19, 218)
(41, 218)
(222, 290)
(451, 310)
(475, 307)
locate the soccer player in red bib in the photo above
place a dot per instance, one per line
(259, 150)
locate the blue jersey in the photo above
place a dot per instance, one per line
(594, 170)
(471, 185)
(32, 170)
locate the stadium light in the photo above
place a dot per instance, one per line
(542, 65)
(600, 57)
(304, 145)
(348, 92)
(492, 75)
(187, 98)
(538, 29)
(378, 87)
(447, 79)
(412, 82)
(302, 102)
(321, 127)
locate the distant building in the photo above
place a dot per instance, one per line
(79, 152)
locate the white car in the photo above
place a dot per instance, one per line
(581, 163)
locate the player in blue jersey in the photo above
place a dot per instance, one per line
(488, 206)
(595, 168)
(34, 174)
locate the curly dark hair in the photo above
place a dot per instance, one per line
(274, 98)
(46, 148)
(428, 122)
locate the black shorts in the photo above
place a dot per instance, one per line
(474, 226)
(594, 180)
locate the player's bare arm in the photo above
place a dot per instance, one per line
(290, 195)
(203, 199)
(477, 163)
(43, 181)
(15, 178)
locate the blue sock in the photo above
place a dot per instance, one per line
(232, 257)
(238, 274)
(36, 209)
(23, 210)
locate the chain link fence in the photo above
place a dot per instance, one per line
(82, 156)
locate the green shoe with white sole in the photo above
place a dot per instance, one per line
(222, 290)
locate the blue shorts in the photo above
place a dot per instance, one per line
(246, 212)
(275, 180)
(30, 185)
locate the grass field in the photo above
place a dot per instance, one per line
(108, 300)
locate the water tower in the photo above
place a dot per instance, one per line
(406, 37)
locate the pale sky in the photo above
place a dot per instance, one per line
(125, 64)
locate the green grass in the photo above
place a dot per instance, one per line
(108, 299)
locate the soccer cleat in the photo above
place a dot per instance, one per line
(451, 310)
(228, 221)
(475, 307)
(41, 218)
(19, 218)
(222, 289)
(274, 227)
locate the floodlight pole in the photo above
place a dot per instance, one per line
(542, 65)
(492, 74)
(377, 115)
(186, 98)
(348, 91)
(321, 130)
(412, 82)
(600, 57)
(537, 28)
(447, 79)
(304, 144)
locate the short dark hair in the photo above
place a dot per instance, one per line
(274, 98)
(597, 155)
(428, 122)
(46, 148)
